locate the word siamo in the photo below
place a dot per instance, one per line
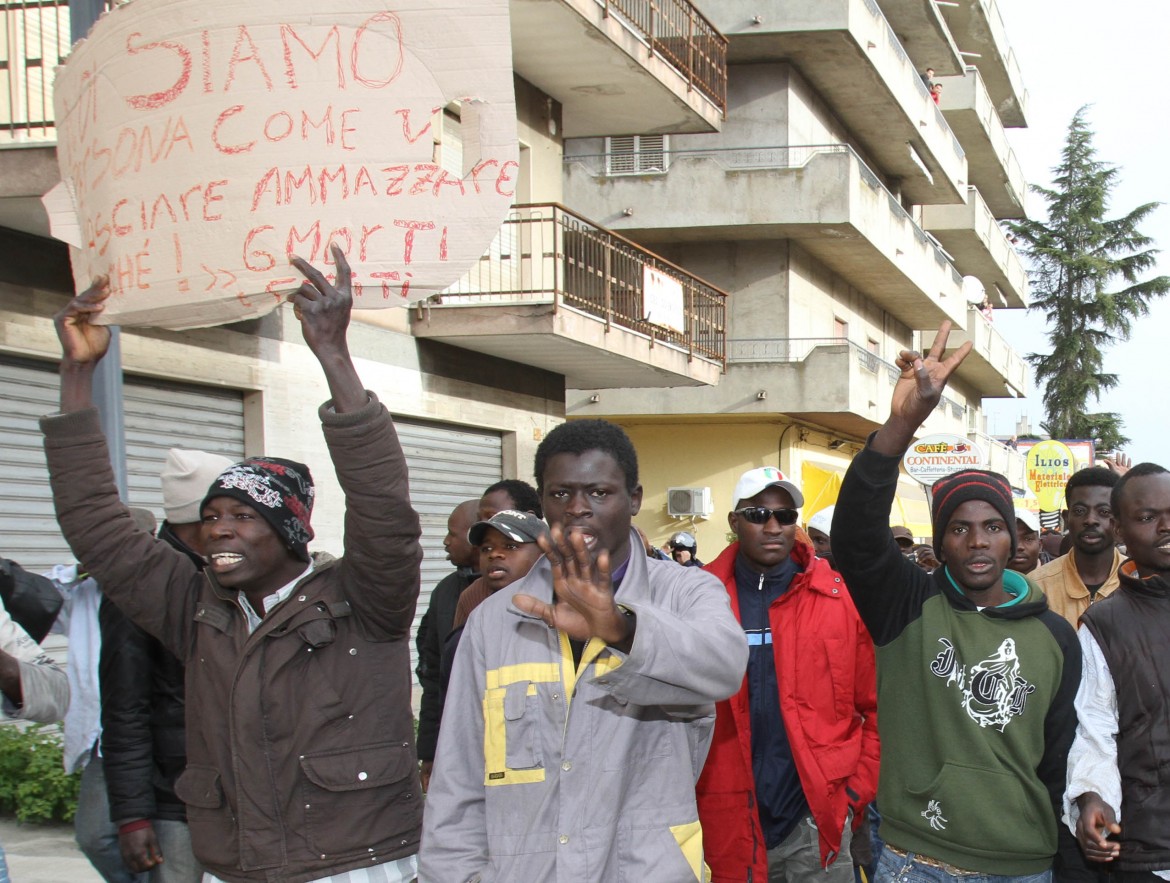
(370, 56)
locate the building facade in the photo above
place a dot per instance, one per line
(777, 170)
(847, 214)
(474, 379)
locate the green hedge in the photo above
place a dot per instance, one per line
(33, 783)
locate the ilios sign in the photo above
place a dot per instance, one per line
(1049, 467)
(935, 456)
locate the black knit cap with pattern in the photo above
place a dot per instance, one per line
(951, 491)
(280, 490)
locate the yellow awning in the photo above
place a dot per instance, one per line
(822, 485)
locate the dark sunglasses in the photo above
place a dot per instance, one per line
(761, 515)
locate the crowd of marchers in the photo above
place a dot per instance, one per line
(829, 703)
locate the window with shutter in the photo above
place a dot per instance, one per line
(637, 154)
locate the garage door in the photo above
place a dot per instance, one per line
(159, 415)
(448, 464)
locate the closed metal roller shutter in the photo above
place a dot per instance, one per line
(28, 527)
(159, 415)
(448, 464)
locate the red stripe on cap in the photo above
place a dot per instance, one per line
(1003, 490)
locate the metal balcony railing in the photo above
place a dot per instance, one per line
(547, 254)
(34, 39)
(683, 36)
(787, 157)
(912, 74)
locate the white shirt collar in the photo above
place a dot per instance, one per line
(271, 601)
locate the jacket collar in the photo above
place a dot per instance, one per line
(321, 561)
(1032, 604)
(1156, 586)
(815, 573)
(1074, 586)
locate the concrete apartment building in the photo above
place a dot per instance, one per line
(778, 166)
(841, 209)
(474, 380)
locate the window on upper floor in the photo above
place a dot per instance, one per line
(637, 154)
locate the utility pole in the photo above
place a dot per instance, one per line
(107, 380)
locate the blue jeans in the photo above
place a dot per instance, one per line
(95, 832)
(893, 868)
(179, 864)
(3, 867)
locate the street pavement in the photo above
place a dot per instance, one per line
(44, 854)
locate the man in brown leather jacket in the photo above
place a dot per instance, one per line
(300, 757)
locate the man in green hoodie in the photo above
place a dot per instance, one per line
(976, 676)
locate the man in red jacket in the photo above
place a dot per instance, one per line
(795, 754)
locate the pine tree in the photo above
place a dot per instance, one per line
(1077, 255)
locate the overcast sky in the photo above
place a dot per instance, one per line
(1072, 53)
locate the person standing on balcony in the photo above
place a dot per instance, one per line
(794, 761)
(1089, 571)
(977, 676)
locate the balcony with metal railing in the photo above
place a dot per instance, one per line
(558, 292)
(831, 382)
(822, 196)
(979, 247)
(34, 39)
(993, 368)
(1002, 459)
(848, 53)
(991, 163)
(979, 32)
(621, 67)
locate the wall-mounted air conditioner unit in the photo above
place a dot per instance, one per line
(689, 502)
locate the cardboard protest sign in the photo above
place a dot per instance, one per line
(201, 143)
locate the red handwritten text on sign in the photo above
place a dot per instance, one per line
(202, 149)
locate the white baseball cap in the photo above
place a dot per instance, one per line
(755, 480)
(822, 521)
(1031, 519)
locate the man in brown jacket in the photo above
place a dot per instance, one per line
(300, 756)
(1088, 572)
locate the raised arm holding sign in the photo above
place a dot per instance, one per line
(300, 748)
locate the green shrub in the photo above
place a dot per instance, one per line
(33, 783)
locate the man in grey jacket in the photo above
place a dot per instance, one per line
(33, 687)
(581, 703)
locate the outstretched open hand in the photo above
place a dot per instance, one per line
(82, 343)
(584, 605)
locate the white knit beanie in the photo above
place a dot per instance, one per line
(185, 479)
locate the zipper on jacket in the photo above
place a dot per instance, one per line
(755, 840)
